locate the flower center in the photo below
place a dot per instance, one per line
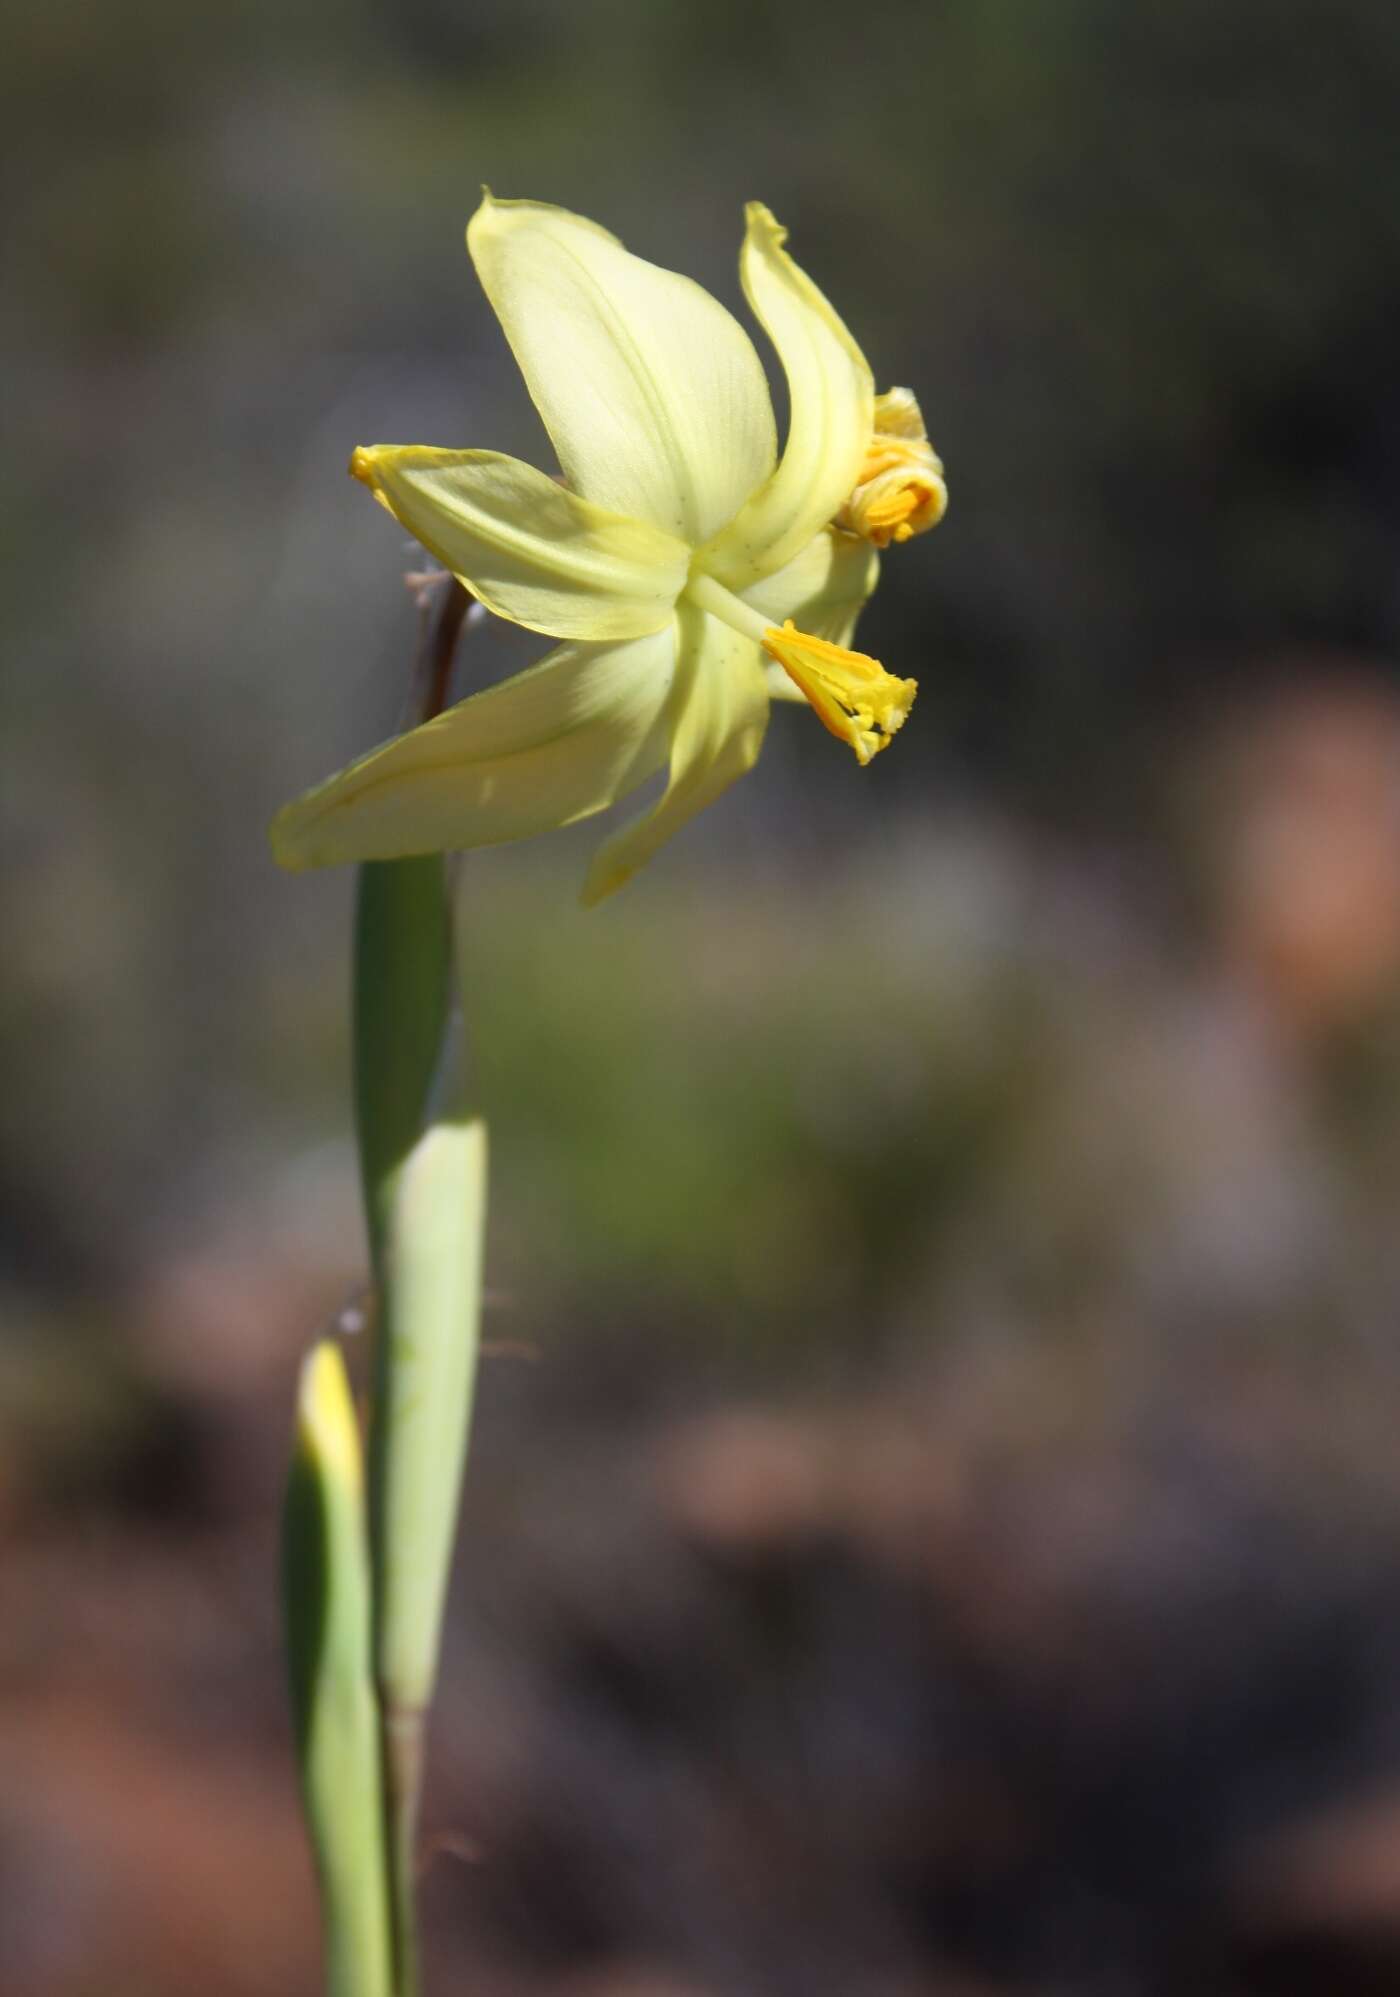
(852, 693)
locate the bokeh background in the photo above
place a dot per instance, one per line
(934, 1522)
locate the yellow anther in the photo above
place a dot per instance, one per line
(853, 694)
(901, 490)
(897, 414)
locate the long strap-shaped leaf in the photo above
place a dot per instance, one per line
(327, 1594)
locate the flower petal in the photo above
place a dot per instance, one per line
(531, 551)
(567, 738)
(651, 392)
(719, 713)
(823, 590)
(781, 685)
(832, 396)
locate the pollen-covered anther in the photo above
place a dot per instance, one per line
(852, 693)
(901, 490)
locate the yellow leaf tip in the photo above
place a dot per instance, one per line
(328, 1430)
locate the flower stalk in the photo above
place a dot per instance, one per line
(422, 1156)
(692, 575)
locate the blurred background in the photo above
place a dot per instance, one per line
(934, 1520)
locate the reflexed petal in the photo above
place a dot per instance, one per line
(531, 551)
(832, 396)
(651, 392)
(569, 737)
(720, 710)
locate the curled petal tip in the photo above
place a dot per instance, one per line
(758, 215)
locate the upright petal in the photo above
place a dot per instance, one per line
(531, 551)
(719, 712)
(569, 737)
(832, 395)
(651, 392)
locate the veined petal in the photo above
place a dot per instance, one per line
(823, 590)
(567, 738)
(531, 551)
(832, 395)
(651, 392)
(719, 710)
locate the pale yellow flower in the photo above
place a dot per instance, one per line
(690, 572)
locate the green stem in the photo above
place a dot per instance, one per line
(423, 1169)
(402, 1002)
(403, 972)
(403, 1741)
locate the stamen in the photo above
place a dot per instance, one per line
(901, 490)
(852, 693)
(897, 414)
(728, 608)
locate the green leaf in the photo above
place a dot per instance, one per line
(402, 995)
(428, 1336)
(326, 1589)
